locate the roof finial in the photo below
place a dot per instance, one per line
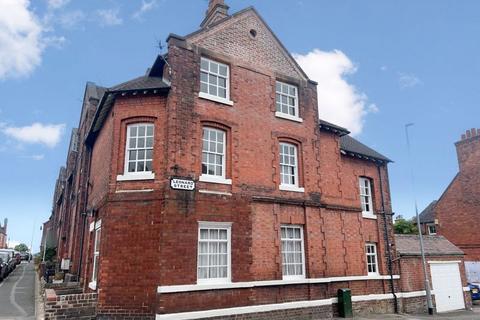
(217, 10)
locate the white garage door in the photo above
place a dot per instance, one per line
(447, 285)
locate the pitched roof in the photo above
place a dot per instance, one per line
(428, 214)
(409, 245)
(355, 148)
(328, 126)
(140, 83)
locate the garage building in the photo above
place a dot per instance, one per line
(445, 265)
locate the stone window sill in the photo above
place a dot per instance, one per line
(369, 216)
(136, 176)
(214, 179)
(286, 187)
(288, 117)
(215, 98)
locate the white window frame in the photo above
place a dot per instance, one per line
(429, 231)
(286, 186)
(216, 225)
(97, 226)
(373, 254)
(144, 175)
(204, 177)
(302, 239)
(209, 96)
(361, 184)
(280, 114)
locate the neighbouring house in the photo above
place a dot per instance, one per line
(3, 234)
(445, 270)
(208, 187)
(456, 214)
(427, 219)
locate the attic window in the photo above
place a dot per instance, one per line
(253, 33)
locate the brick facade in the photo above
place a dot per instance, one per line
(149, 232)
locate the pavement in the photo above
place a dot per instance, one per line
(473, 314)
(17, 293)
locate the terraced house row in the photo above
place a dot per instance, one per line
(209, 187)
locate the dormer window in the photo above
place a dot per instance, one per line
(215, 81)
(286, 99)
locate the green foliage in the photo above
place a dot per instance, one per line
(22, 247)
(49, 255)
(403, 226)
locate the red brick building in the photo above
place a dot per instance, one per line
(457, 212)
(3, 234)
(209, 188)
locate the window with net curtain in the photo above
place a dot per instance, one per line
(293, 257)
(213, 253)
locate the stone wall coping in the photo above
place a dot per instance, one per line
(50, 295)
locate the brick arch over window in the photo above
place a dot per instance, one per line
(299, 146)
(122, 143)
(228, 147)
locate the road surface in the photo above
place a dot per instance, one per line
(17, 293)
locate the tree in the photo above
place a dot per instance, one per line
(22, 247)
(403, 226)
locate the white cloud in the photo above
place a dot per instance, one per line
(36, 157)
(338, 101)
(21, 43)
(144, 8)
(57, 4)
(109, 17)
(46, 134)
(408, 80)
(70, 19)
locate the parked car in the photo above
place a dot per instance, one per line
(4, 267)
(18, 257)
(475, 290)
(25, 256)
(12, 261)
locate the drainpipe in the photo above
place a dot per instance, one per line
(387, 239)
(84, 213)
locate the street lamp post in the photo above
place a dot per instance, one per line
(422, 248)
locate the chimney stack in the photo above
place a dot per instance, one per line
(468, 149)
(217, 10)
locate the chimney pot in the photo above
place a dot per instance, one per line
(469, 134)
(464, 136)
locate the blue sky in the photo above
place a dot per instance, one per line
(386, 63)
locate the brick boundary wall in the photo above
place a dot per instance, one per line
(412, 305)
(70, 306)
